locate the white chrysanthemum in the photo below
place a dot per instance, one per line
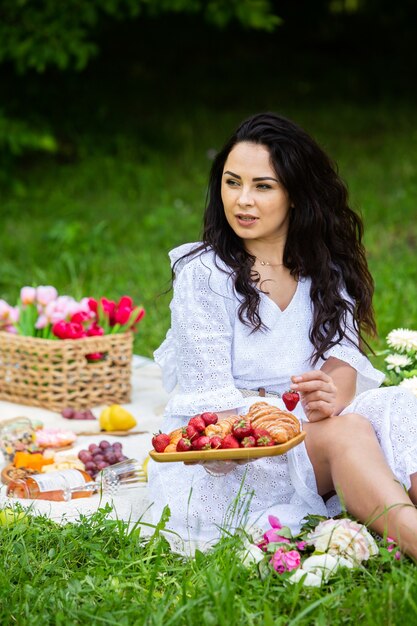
(402, 339)
(410, 384)
(397, 362)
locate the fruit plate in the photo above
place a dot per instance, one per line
(227, 455)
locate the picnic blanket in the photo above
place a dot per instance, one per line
(147, 405)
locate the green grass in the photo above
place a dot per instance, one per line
(100, 572)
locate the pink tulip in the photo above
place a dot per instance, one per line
(45, 294)
(125, 301)
(95, 331)
(80, 317)
(28, 295)
(122, 315)
(41, 322)
(94, 356)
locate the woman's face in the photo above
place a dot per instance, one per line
(256, 205)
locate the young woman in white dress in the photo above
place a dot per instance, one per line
(277, 295)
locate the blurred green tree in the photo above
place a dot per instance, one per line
(40, 34)
(37, 35)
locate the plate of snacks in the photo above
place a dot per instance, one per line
(264, 431)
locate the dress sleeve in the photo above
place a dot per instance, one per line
(347, 350)
(201, 339)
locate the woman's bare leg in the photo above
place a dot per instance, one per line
(346, 456)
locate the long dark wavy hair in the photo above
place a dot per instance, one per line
(324, 240)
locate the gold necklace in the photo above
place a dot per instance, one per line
(268, 263)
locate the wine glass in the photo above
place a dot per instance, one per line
(127, 474)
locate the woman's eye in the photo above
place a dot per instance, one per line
(231, 183)
(263, 186)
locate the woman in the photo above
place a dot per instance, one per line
(277, 296)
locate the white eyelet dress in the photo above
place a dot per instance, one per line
(207, 356)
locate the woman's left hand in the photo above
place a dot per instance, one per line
(318, 394)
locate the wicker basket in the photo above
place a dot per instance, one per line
(57, 374)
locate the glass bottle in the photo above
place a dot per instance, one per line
(69, 484)
(57, 486)
(16, 435)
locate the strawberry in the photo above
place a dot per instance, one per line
(290, 399)
(184, 445)
(230, 441)
(202, 443)
(262, 437)
(265, 440)
(210, 418)
(248, 442)
(190, 432)
(242, 428)
(216, 442)
(198, 423)
(160, 441)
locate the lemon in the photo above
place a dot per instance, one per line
(115, 417)
(145, 466)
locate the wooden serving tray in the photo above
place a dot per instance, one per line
(227, 455)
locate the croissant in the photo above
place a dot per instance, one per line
(175, 436)
(281, 425)
(223, 427)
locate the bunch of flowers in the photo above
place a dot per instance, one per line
(41, 312)
(401, 359)
(316, 553)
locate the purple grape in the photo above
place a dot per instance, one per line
(117, 445)
(102, 464)
(67, 413)
(92, 447)
(90, 466)
(89, 415)
(104, 445)
(85, 456)
(98, 458)
(110, 458)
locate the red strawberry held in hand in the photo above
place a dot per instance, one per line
(290, 399)
(242, 428)
(210, 418)
(198, 423)
(202, 443)
(230, 441)
(184, 445)
(160, 441)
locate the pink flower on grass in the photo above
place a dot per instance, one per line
(272, 535)
(9, 315)
(391, 547)
(283, 561)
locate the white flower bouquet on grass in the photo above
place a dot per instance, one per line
(401, 359)
(317, 553)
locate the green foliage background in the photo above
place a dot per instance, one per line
(110, 113)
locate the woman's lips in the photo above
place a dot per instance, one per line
(246, 220)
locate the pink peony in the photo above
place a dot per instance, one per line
(283, 561)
